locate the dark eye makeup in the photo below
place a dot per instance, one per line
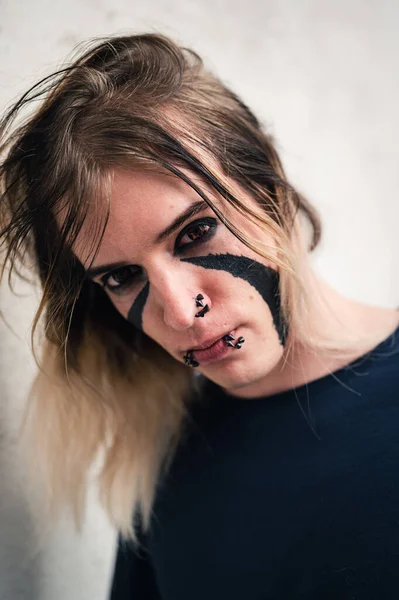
(121, 278)
(197, 232)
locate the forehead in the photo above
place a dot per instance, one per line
(147, 197)
(142, 204)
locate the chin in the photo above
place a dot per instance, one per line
(236, 375)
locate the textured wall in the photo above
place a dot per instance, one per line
(323, 77)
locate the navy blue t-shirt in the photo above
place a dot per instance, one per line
(292, 496)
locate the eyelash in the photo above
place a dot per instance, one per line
(209, 222)
(205, 221)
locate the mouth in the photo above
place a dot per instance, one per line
(213, 350)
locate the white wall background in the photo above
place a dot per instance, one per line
(323, 75)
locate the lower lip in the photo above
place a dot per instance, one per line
(217, 351)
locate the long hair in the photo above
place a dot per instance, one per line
(137, 100)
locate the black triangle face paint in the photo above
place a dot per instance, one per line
(264, 279)
(135, 314)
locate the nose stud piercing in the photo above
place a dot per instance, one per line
(188, 358)
(199, 301)
(203, 312)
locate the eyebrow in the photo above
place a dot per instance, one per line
(191, 211)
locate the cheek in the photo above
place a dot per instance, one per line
(262, 278)
(245, 276)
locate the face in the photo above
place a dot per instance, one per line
(174, 270)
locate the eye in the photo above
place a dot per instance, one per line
(197, 232)
(121, 279)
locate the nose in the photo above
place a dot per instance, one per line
(176, 299)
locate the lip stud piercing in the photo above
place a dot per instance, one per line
(199, 302)
(189, 360)
(239, 343)
(229, 341)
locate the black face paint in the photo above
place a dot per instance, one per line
(135, 314)
(264, 279)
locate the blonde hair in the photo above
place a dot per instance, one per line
(137, 100)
